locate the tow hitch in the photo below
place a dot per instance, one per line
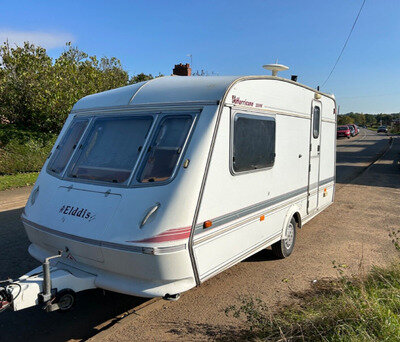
(53, 287)
(5, 297)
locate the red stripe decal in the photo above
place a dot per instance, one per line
(169, 235)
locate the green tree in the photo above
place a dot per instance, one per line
(370, 120)
(25, 84)
(357, 118)
(384, 119)
(140, 78)
(37, 93)
(344, 120)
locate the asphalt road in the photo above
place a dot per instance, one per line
(354, 154)
(97, 310)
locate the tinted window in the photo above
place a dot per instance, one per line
(67, 146)
(165, 149)
(316, 120)
(112, 148)
(253, 142)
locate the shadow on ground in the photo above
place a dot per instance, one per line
(93, 307)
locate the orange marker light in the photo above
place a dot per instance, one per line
(207, 224)
(262, 218)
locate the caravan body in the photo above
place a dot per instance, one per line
(155, 187)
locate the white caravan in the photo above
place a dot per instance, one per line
(153, 188)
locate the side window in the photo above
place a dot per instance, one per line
(165, 149)
(316, 121)
(67, 146)
(253, 142)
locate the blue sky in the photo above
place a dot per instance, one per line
(231, 38)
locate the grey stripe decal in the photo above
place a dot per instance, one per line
(326, 181)
(257, 207)
(106, 244)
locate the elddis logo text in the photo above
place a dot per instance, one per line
(77, 212)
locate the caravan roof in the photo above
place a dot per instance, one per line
(168, 89)
(161, 90)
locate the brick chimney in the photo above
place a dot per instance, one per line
(182, 70)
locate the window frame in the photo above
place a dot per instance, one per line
(255, 115)
(78, 153)
(55, 151)
(157, 115)
(135, 180)
(314, 121)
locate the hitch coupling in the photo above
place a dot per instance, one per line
(54, 287)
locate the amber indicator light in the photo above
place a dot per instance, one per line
(207, 224)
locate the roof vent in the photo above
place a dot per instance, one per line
(275, 68)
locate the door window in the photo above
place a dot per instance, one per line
(316, 122)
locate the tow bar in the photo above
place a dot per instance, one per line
(54, 287)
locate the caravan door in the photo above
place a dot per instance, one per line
(314, 157)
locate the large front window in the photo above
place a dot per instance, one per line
(112, 149)
(126, 150)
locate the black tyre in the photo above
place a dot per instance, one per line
(282, 249)
(66, 300)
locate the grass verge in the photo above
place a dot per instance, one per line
(345, 309)
(18, 180)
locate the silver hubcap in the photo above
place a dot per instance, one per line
(289, 235)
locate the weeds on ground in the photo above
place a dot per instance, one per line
(344, 309)
(394, 235)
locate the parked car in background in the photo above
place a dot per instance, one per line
(356, 130)
(343, 131)
(382, 129)
(352, 131)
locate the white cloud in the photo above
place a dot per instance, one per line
(47, 40)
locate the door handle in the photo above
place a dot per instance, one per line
(151, 211)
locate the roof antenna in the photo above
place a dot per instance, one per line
(275, 67)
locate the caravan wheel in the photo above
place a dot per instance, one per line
(65, 300)
(282, 249)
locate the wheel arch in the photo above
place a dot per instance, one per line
(294, 211)
(297, 217)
